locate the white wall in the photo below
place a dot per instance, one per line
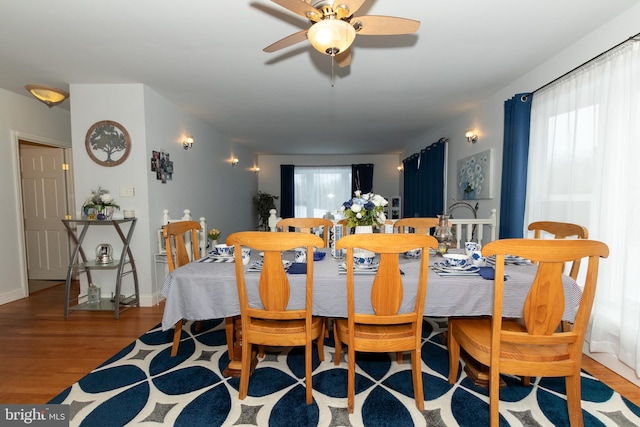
(386, 178)
(26, 118)
(488, 116)
(203, 180)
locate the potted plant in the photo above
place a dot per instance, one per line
(264, 202)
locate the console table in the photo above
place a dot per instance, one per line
(125, 265)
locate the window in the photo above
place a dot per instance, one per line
(320, 189)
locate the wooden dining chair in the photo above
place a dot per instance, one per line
(307, 225)
(561, 230)
(178, 255)
(419, 225)
(386, 329)
(273, 323)
(531, 346)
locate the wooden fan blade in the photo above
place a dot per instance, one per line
(343, 59)
(384, 25)
(353, 5)
(287, 41)
(299, 7)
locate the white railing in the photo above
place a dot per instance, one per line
(473, 229)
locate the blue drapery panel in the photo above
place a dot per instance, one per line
(287, 191)
(410, 185)
(517, 118)
(362, 177)
(424, 181)
(431, 180)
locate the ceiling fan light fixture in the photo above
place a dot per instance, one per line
(331, 36)
(49, 95)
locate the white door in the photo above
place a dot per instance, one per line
(44, 206)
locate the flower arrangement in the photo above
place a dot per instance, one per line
(213, 234)
(100, 199)
(364, 209)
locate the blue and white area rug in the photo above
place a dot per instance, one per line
(143, 385)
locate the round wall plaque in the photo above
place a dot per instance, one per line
(108, 143)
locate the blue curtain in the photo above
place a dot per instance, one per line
(431, 180)
(424, 181)
(287, 191)
(515, 154)
(362, 177)
(410, 185)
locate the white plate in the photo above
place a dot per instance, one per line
(441, 266)
(444, 266)
(217, 255)
(257, 265)
(373, 266)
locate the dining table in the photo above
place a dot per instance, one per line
(206, 289)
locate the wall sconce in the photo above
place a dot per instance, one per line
(256, 170)
(188, 142)
(234, 162)
(400, 168)
(49, 95)
(471, 136)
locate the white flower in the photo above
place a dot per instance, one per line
(357, 193)
(356, 208)
(359, 215)
(107, 198)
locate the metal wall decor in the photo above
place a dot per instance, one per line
(108, 143)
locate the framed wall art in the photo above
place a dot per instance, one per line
(475, 175)
(108, 143)
(162, 165)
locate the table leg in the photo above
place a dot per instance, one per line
(233, 330)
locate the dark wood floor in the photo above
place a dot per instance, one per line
(42, 354)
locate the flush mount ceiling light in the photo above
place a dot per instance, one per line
(49, 95)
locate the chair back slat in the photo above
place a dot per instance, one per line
(544, 305)
(274, 285)
(387, 290)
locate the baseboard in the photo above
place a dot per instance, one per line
(612, 362)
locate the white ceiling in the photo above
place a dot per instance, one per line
(206, 56)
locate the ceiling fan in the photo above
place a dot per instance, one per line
(333, 26)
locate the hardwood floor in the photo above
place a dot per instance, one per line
(42, 354)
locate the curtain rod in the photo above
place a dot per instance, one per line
(635, 38)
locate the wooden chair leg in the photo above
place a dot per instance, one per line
(260, 351)
(351, 381)
(573, 399)
(399, 357)
(320, 342)
(494, 396)
(246, 370)
(338, 344)
(177, 333)
(454, 355)
(416, 373)
(308, 371)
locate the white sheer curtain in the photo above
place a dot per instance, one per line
(320, 189)
(584, 167)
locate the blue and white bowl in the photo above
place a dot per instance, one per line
(223, 250)
(363, 259)
(413, 253)
(456, 260)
